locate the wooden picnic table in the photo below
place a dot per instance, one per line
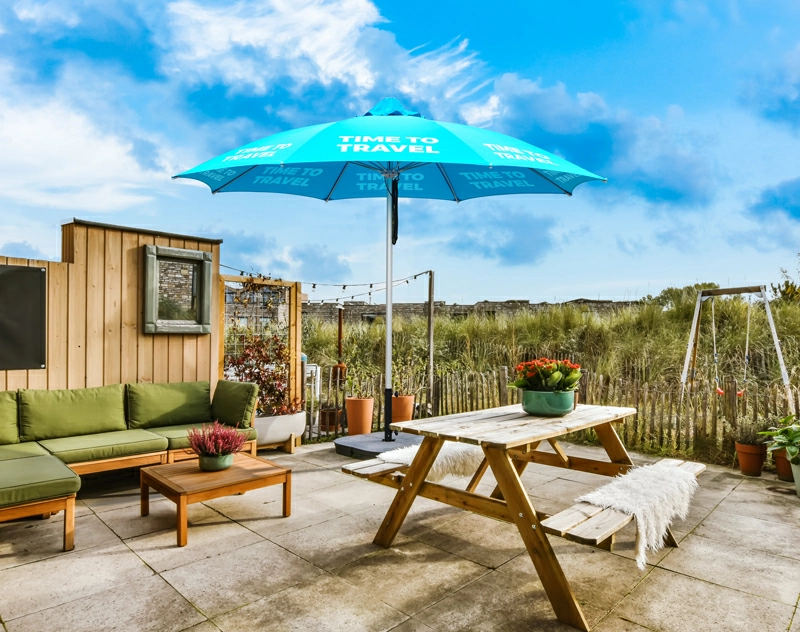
(509, 438)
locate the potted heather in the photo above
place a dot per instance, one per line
(215, 445)
(264, 360)
(786, 437)
(548, 386)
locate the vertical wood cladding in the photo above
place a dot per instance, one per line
(94, 316)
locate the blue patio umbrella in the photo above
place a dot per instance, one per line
(390, 152)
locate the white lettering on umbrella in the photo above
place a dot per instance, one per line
(265, 151)
(497, 179)
(387, 144)
(514, 153)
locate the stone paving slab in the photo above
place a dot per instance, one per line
(248, 568)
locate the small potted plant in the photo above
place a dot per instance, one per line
(548, 386)
(404, 371)
(782, 465)
(359, 407)
(787, 438)
(751, 449)
(215, 445)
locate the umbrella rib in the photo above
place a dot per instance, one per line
(447, 180)
(215, 191)
(550, 181)
(339, 177)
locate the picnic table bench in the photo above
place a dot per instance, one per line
(510, 440)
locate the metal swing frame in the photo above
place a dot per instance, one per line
(689, 366)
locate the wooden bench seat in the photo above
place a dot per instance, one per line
(372, 468)
(588, 524)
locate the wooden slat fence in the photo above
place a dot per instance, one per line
(697, 425)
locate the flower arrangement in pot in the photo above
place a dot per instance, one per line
(215, 445)
(786, 437)
(548, 386)
(264, 359)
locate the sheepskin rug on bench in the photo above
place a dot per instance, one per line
(458, 459)
(654, 495)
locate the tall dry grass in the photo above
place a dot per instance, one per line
(645, 341)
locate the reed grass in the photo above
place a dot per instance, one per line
(646, 340)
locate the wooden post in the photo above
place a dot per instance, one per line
(430, 336)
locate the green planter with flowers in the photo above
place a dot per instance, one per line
(548, 386)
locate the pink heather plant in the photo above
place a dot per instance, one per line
(216, 440)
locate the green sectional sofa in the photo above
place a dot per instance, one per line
(49, 438)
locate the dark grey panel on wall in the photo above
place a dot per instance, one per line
(23, 317)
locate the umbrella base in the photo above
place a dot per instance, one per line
(368, 446)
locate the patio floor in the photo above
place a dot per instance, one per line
(246, 568)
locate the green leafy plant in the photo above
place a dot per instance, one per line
(547, 375)
(785, 436)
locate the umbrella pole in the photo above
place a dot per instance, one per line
(387, 393)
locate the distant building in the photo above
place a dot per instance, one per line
(355, 311)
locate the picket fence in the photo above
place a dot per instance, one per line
(698, 423)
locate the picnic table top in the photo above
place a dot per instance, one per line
(509, 426)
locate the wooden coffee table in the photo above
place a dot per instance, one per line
(185, 483)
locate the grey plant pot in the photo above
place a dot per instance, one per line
(796, 472)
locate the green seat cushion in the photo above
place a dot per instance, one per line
(9, 428)
(234, 402)
(106, 445)
(178, 435)
(35, 478)
(21, 450)
(159, 405)
(70, 412)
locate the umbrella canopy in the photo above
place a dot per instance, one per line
(391, 152)
(351, 158)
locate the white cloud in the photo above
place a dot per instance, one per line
(43, 14)
(250, 44)
(55, 157)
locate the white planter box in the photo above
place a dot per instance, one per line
(278, 429)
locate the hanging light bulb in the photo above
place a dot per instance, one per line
(344, 287)
(313, 286)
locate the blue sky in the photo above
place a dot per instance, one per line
(690, 108)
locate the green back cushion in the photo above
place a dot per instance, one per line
(70, 412)
(9, 432)
(234, 403)
(157, 405)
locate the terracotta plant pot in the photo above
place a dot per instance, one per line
(751, 458)
(782, 465)
(359, 415)
(402, 408)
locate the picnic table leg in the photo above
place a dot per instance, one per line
(520, 467)
(541, 553)
(476, 478)
(616, 451)
(420, 466)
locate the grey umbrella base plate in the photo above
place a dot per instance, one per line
(368, 446)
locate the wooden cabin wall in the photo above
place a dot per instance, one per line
(94, 316)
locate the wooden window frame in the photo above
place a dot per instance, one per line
(152, 325)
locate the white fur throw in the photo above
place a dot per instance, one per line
(458, 459)
(652, 494)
